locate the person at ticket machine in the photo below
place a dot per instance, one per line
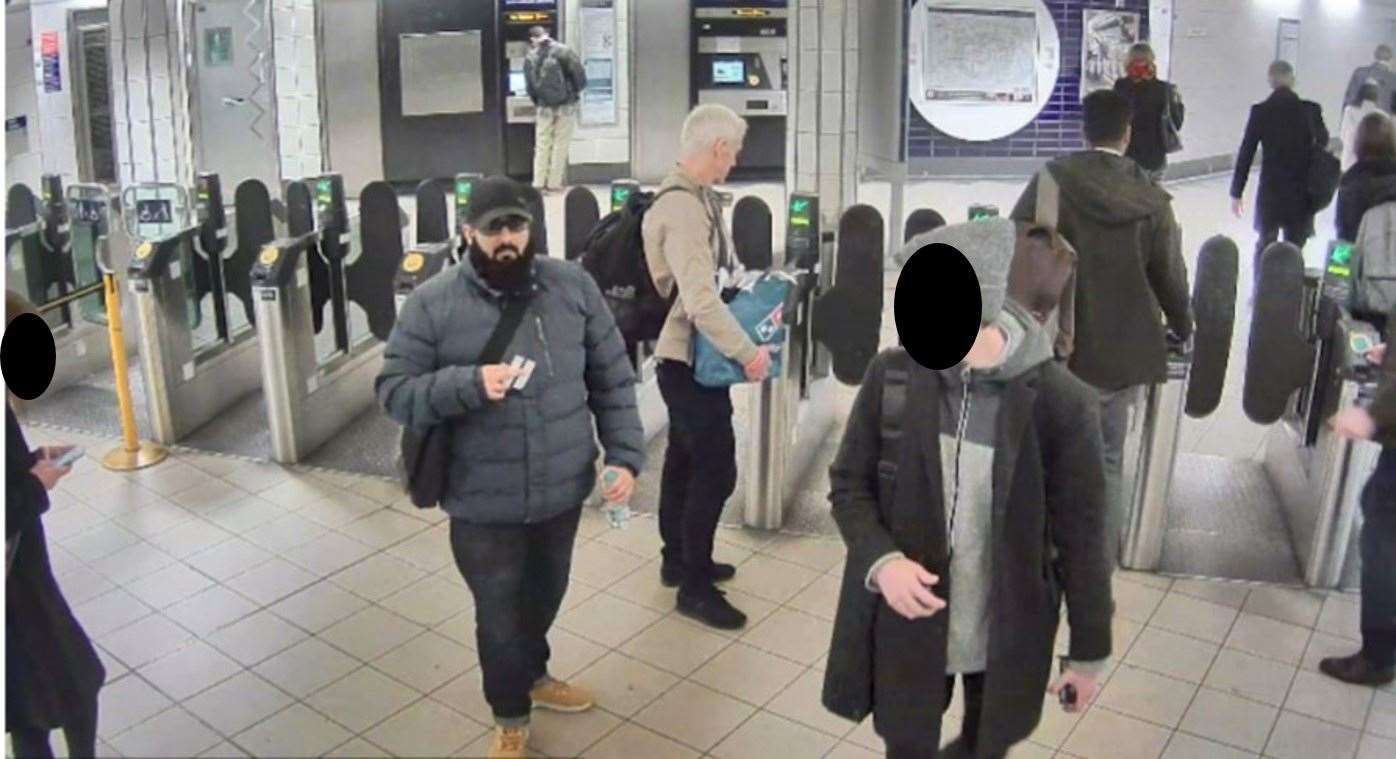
(519, 360)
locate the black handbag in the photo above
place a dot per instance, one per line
(1172, 141)
(426, 457)
(1325, 172)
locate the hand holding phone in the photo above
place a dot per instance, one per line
(68, 458)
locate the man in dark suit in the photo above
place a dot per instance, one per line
(1290, 129)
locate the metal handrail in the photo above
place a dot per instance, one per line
(63, 300)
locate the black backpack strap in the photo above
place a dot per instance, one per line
(509, 321)
(895, 377)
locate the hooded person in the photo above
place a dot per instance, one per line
(1131, 281)
(965, 526)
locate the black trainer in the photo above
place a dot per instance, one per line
(1356, 669)
(709, 606)
(671, 575)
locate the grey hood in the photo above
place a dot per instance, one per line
(1028, 344)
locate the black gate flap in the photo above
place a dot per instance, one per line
(432, 222)
(921, 221)
(370, 278)
(848, 319)
(1214, 310)
(580, 213)
(300, 220)
(1279, 358)
(255, 229)
(752, 232)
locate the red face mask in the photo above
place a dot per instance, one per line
(1140, 69)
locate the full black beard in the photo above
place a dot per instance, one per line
(505, 276)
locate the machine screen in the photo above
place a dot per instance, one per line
(799, 212)
(729, 72)
(517, 86)
(1340, 259)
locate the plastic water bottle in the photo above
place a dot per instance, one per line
(617, 514)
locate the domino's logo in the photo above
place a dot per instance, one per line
(767, 329)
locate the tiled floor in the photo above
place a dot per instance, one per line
(247, 609)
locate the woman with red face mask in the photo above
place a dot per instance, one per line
(1154, 101)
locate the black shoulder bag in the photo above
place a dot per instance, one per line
(426, 458)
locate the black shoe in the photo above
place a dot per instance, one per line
(710, 607)
(670, 575)
(1356, 669)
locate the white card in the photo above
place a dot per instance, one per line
(527, 373)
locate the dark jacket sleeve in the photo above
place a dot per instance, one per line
(576, 71)
(25, 497)
(1246, 155)
(611, 384)
(1383, 408)
(1348, 208)
(411, 388)
(1359, 75)
(1168, 274)
(853, 477)
(1320, 128)
(530, 71)
(1075, 482)
(1176, 106)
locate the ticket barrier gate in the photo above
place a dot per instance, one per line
(310, 398)
(1320, 370)
(53, 248)
(834, 317)
(194, 367)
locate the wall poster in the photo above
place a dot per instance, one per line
(597, 19)
(1106, 38)
(974, 54)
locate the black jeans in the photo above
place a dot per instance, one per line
(1379, 563)
(969, 729)
(33, 742)
(700, 470)
(1297, 233)
(518, 575)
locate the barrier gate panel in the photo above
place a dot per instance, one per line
(370, 278)
(255, 228)
(580, 215)
(752, 233)
(1279, 357)
(432, 222)
(921, 221)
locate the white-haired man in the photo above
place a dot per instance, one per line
(685, 246)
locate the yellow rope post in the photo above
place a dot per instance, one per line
(133, 453)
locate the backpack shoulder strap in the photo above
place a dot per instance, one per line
(1048, 199)
(895, 377)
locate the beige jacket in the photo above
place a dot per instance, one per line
(682, 245)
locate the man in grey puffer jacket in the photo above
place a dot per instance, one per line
(522, 444)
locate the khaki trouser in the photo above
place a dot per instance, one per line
(552, 139)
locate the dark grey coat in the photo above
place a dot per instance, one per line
(531, 456)
(1048, 496)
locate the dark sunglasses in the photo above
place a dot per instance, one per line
(514, 224)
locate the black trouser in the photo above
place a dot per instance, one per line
(1296, 232)
(1379, 563)
(700, 470)
(81, 734)
(969, 729)
(518, 575)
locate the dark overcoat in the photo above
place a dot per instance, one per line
(1048, 500)
(1288, 129)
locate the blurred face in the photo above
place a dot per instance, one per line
(505, 239)
(724, 158)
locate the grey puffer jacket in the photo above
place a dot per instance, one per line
(531, 456)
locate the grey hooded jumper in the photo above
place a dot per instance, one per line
(531, 456)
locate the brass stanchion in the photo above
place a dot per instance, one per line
(134, 453)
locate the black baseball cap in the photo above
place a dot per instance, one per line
(494, 198)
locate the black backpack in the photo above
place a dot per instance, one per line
(614, 255)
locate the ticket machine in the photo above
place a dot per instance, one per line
(739, 60)
(516, 18)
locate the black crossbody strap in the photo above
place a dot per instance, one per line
(503, 334)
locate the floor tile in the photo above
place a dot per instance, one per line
(864, 736)
(801, 702)
(377, 577)
(307, 667)
(1194, 617)
(1322, 645)
(570, 653)
(257, 476)
(630, 740)
(640, 537)
(338, 510)
(818, 553)
(132, 563)
(239, 703)
(209, 610)
(328, 554)
(1171, 654)
(127, 702)
(1320, 696)
(428, 551)
(174, 733)
(694, 715)
(110, 611)
(224, 750)
(607, 620)
(1340, 616)
(1373, 747)
(1184, 746)
(1052, 730)
(674, 645)
(209, 496)
(429, 601)
(318, 606)
(228, 559)
(772, 579)
(1266, 637)
(1250, 676)
(1381, 721)
(190, 670)
(461, 629)
(245, 514)
(644, 588)
(362, 700)
(1297, 607)
(601, 565)
(1103, 734)
(555, 734)
(190, 537)
(853, 751)
(1299, 737)
(146, 640)
(358, 748)
(747, 673)
(426, 662)
(425, 729)
(172, 477)
(1228, 719)
(370, 633)
(1134, 601)
(1147, 696)
(271, 581)
(152, 520)
(256, 638)
(285, 533)
(82, 585)
(297, 731)
(792, 634)
(466, 694)
(298, 491)
(169, 586)
(623, 685)
(820, 598)
(381, 529)
(766, 734)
